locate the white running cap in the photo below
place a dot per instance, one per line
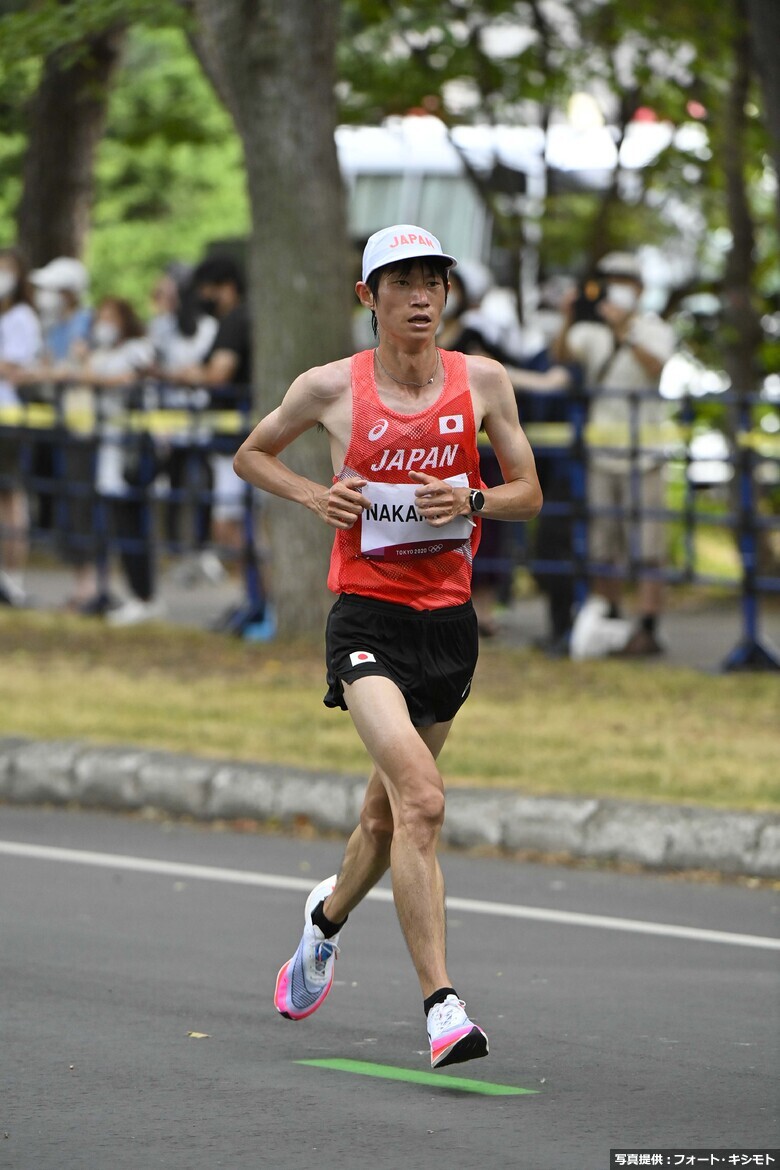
(402, 241)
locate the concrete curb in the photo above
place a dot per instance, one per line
(64, 772)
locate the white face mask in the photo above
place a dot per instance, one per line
(8, 282)
(48, 302)
(623, 296)
(105, 334)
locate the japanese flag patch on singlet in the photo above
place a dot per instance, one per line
(393, 529)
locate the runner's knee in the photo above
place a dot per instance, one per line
(421, 807)
(376, 821)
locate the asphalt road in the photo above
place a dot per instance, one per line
(111, 954)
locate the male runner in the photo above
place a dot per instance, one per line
(401, 642)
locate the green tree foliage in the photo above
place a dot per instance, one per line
(520, 61)
(170, 174)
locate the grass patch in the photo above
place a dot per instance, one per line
(608, 729)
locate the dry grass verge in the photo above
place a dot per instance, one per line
(605, 729)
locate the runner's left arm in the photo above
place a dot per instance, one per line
(519, 497)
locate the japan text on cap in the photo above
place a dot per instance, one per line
(401, 242)
(64, 273)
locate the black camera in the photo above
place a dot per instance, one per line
(589, 296)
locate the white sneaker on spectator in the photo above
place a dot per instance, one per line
(594, 633)
(11, 592)
(134, 611)
(211, 567)
(203, 567)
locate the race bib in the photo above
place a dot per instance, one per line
(393, 529)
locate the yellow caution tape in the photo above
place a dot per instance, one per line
(84, 420)
(36, 416)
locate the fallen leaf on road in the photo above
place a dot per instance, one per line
(199, 1035)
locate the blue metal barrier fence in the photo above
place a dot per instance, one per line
(68, 438)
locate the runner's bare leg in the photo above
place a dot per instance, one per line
(367, 856)
(405, 764)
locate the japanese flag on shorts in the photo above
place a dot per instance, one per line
(358, 657)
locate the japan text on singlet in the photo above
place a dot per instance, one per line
(392, 553)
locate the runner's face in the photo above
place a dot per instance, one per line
(410, 306)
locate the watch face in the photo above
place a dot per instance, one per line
(477, 501)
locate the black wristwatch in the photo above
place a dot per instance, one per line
(476, 500)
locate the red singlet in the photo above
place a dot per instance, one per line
(391, 553)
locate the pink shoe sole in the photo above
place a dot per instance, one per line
(281, 1002)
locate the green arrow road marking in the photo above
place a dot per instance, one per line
(413, 1076)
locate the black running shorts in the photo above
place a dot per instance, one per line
(429, 654)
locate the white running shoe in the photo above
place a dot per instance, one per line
(454, 1038)
(305, 980)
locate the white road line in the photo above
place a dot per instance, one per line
(273, 881)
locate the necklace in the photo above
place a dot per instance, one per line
(416, 385)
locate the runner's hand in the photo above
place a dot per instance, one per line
(343, 504)
(438, 501)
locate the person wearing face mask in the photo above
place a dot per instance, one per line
(465, 329)
(226, 371)
(119, 357)
(182, 334)
(59, 291)
(20, 341)
(482, 319)
(623, 350)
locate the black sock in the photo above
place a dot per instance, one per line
(614, 610)
(438, 997)
(648, 622)
(327, 927)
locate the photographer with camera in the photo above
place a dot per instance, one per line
(622, 350)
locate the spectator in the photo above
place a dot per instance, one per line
(226, 371)
(58, 291)
(183, 335)
(463, 329)
(542, 390)
(483, 320)
(60, 288)
(542, 400)
(20, 342)
(622, 349)
(120, 355)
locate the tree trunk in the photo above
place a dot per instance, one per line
(273, 65)
(764, 19)
(742, 332)
(66, 119)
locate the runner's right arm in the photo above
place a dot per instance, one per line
(257, 459)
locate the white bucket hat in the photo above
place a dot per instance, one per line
(64, 274)
(402, 241)
(622, 264)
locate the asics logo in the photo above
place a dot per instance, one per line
(378, 430)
